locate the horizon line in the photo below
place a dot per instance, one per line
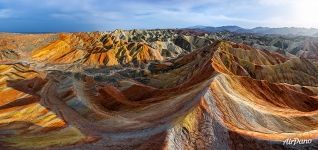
(159, 28)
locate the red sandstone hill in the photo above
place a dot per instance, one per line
(152, 90)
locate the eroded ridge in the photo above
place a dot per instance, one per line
(156, 89)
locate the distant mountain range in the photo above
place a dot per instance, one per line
(261, 30)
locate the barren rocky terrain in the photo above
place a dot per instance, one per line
(157, 89)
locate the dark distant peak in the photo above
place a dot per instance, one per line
(197, 27)
(261, 28)
(231, 28)
(286, 31)
(295, 31)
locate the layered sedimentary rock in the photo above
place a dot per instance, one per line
(153, 89)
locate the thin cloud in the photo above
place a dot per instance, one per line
(112, 14)
(5, 13)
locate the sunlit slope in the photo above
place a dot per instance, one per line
(91, 50)
(268, 96)
(22, 116)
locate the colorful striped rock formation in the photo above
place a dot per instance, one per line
(152, 89)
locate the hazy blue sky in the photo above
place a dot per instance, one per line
(92, 15)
